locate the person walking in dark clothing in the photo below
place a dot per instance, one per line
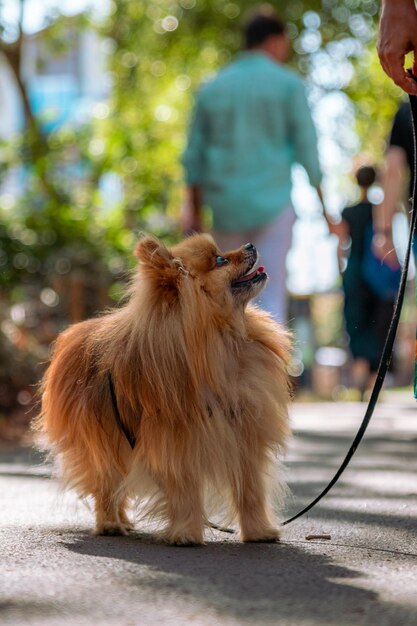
(367, 315)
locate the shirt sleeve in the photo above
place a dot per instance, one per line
(193, 156)
(402, 133)
(400, 130)
(346, 216)
(304, 136)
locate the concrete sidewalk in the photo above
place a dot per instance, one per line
(53, 572)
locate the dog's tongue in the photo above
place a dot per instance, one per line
(246, 277)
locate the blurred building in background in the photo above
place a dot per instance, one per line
(63, 85)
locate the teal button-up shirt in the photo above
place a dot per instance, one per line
(251, 123)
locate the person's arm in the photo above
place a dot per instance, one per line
(304, 138)
(302, 134)
(334, 227)
(192, 210)
(392, 182)
(193, 162)
(398, 36)
(343, 234)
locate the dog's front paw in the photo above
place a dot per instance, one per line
(264, 535)
(112, 529)
(185, 542)
(183, 539)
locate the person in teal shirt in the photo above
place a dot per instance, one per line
(250, 124)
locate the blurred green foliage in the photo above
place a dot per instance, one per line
(375, 98)
(158, 53)
(59, 231)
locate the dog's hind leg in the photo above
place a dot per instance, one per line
(255, 513)
(110, 511)
(184, 510)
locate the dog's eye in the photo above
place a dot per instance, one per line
(220, 260)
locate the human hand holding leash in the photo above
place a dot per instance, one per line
(397, 37)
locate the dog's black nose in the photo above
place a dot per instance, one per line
(249, 246)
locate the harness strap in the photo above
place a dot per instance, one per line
(121, 425)
(132, 440)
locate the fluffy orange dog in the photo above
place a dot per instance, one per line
(200, 382)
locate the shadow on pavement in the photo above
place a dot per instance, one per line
(267, 583)
(23, 463)
(259, 583)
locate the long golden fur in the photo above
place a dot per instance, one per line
(200, 380)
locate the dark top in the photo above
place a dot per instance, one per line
(402, 135)
(359, 218)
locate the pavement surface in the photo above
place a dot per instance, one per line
(54, 572)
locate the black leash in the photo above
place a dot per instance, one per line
(383, 365)
(389, 343)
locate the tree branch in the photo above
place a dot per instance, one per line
(12, 52)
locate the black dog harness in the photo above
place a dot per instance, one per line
(120, 424)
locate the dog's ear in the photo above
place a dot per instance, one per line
(208, 237)
(157, 262)
(152, 252)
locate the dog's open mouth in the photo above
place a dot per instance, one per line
(250, 277)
